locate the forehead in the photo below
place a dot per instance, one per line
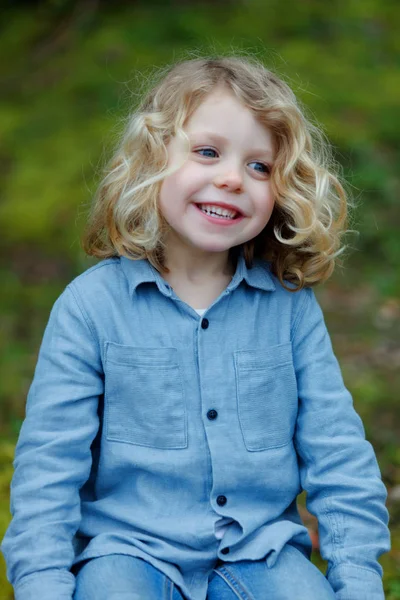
(222, 114)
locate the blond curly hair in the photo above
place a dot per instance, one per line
(302, 239)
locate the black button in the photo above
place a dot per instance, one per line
(212, 414)
(225, 551)
(204, 323)
(221, 500)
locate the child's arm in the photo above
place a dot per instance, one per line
(337, 465)
(53, 457)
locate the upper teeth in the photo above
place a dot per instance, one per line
(209, 208)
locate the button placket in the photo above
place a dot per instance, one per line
(212, 414)
(205, 323)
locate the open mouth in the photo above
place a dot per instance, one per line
(218, 212)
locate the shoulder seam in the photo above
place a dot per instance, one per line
(300, 312)
(79, 304)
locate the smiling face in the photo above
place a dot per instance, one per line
(229, 165)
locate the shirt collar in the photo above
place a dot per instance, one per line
(140, 271)
(258, 276)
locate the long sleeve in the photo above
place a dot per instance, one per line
(53, 457)
(338, 467)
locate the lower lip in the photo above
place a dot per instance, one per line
(223, 221)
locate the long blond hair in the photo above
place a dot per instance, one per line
(303, 237)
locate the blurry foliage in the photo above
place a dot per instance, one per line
(69, 75)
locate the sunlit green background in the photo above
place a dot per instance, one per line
(70, 71)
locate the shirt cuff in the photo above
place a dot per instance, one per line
(46, 585)
(351, 582)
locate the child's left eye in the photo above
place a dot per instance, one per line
(207, 152)
(260, 167)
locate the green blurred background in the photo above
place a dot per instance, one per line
(71, 70)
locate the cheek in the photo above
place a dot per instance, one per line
(270, 209)
(180, 185)
(266, 204)
(168, 192)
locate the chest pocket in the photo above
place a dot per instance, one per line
(144, 399)
(267, 396)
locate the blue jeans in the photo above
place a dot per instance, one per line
(122, 577)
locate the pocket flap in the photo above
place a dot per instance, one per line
(269, 357)
(130, 355)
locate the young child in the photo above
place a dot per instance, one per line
(186, 390)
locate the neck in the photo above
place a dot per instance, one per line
(197, 267)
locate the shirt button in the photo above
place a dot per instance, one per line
(212, 414)
(225, 551)
(221, 500)
(204, 323)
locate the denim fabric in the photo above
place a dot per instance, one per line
(118, 456)
(123, 577)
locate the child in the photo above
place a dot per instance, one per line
(186, 390)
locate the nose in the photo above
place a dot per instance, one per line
(231, 180)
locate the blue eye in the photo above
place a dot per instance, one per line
(261, 167)
(207, 152)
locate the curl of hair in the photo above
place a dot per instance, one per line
(302, 240)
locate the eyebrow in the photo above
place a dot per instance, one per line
(220, 139)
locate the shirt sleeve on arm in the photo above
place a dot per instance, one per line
(53, 456)
(338, 468)
(50, 584)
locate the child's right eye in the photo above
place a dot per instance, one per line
(207, 152)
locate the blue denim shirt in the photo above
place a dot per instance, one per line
(118, 453)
